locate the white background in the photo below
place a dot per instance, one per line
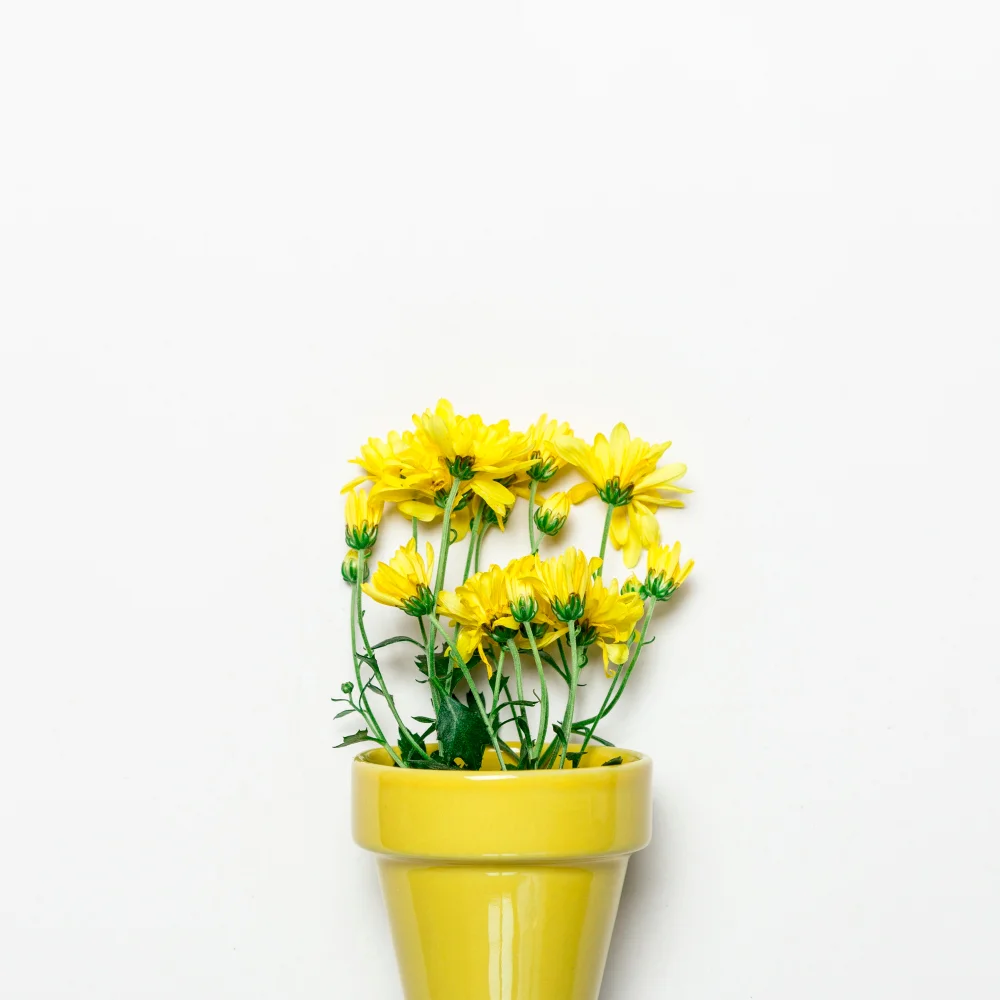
(236, 239)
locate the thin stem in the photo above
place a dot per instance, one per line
(604, 538)
(519, 680)
(483, 529)
(531, 516)
(625, 673)
(431, 664)
(574, 676)
(472, 687)
(369, 715)
(497, 683)
(404, 731)
(445, 537)
(543, 719)
(416, 537)
(473, 533)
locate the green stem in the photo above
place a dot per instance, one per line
(531, 516)
(574, 676)
(526, 733)
(472, 687)
(497, 683)
(404, 731)
(445, 538)
(624, 673)
(483, 529)
(431, 664)
(543, 719)
(473, 533)
(368, 714)
(416, 537)
(604, 538)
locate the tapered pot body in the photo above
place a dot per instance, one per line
(503, 885)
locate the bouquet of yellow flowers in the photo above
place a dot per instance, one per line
(556, 609)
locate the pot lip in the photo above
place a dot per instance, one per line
(638, 760)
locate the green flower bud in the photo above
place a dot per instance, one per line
(349, 568)
(347, 687)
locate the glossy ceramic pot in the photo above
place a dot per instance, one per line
(503, 885)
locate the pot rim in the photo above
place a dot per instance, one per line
(527, 816)
(631, 758)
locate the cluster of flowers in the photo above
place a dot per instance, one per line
(470, 474)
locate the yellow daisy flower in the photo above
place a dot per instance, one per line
(566, 579)
(478, 454)
(609, 619)
(623, 472)
(540, 440)
(379, 459)
(664, 573)
(406, 581)
(362, 513)
(481, 609)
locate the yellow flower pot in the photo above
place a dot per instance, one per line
(503, 886)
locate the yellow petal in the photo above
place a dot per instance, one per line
(580, 492)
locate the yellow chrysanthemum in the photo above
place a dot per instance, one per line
(405, 582)
(481, 609)
(623, 472)
(664, 573)
(379, 459)
(609, 619)
(551, 514)
(566, 579)
(540, 447)
(362, 514)
(633, 585)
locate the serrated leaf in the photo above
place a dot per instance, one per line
(361, 736)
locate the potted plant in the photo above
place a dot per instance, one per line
(502, 820)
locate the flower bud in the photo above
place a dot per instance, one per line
(347, 687)
(551, 514)
(349, 568)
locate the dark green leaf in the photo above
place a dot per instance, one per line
(614, 762)
(424, 719)
(347, 711)
(462, 733)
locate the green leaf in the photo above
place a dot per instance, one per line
(406, 749)
(395, 639)
(426, 720)
(361, 736)
(614, 762)
(462, 733)
(347, 711)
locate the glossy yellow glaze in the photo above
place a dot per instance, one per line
(503, 886)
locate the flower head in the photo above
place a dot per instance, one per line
(445, 448)
(566, 579)
(551, 514)
(609, 619)
(362, 513)
(664, 573)
(481, 609)
(523, 585)
(406, 581)
(623, 472)
(541, 449)
(633, 585)
(378, 459)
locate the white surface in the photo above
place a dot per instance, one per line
(236, 239)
